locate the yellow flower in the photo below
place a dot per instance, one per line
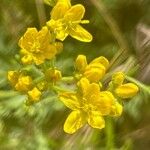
(24, 83)
(95, 70)
(53, 75)
(36, 47)
(66, 19)
(13, 77)
(88, 104)
(34, 95)
(19, 81)
(127, 90)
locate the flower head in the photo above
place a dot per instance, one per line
(36, 47)
(66, 20)
(34, 95)
(20, 81)
(53, 75)
(95, 70)
(88, 104)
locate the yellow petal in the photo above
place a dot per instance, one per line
(75, 121)
(118, 78)
(81, 63)
(92, 93)
(34, 95)
(38, 58)
(116, 110)
(75, 13)
(80, 34)
(28, 38)
(70, 100)
(105, 102)
(101, 60)
(127, 90)
(94, 73)
(96, 121)
(13, 77)
(59, 10)
(24, 84)
(50, 52)
(44, 38)
(27, 59)
(83, 85)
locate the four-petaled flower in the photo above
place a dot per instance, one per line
(66, 19)
(36, 47)
(88, 104)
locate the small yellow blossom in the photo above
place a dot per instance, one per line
(95, 70)
(88, 104)
(66, 19)
(24, 83)
(127, 90)
(13, 77)
(34, 95)
(53, 75)
(19, 81)
(36, 47)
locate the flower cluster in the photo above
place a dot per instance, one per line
(90, 101)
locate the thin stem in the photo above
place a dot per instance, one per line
(68, 79)
(109, 134)
(41, 12)
(60, 89)
(39, 79)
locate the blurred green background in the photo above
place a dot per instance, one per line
(121, 32)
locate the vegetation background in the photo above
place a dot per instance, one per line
(121, 31)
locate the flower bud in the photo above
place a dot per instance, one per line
(118, 78)
(127, 90)
(34, 95)
(81, 63)
(101, 60)
(13, 77)
(24, 84)
(116, 110)
(53, 75)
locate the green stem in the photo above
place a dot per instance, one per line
(7, 94)
(60, 89)
(38, 79)
(68, 79)
(109, 130)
